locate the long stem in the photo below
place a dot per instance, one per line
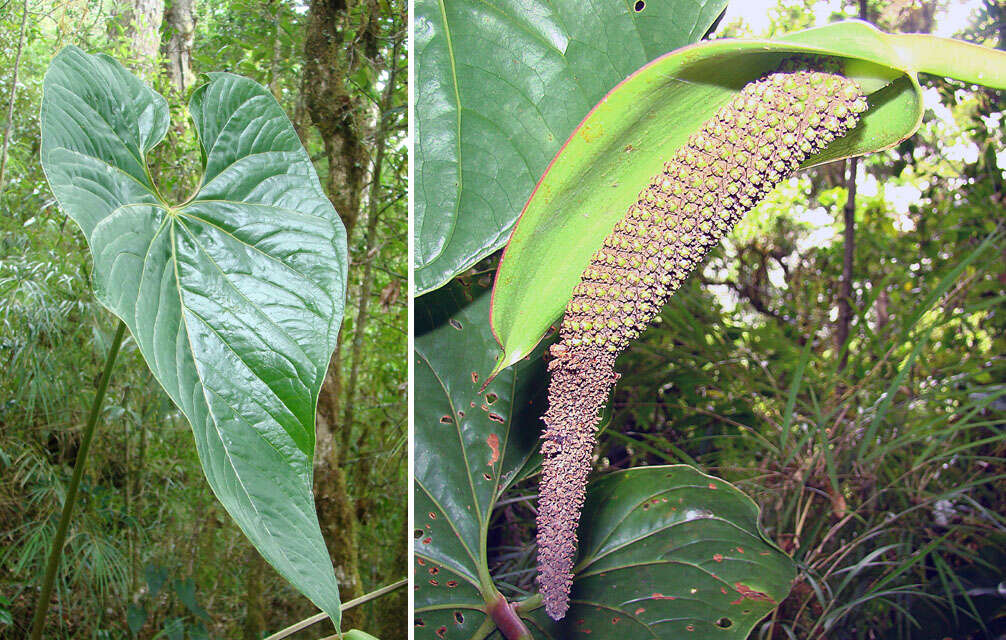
(13, 93)
(42, 606)
(307, 622)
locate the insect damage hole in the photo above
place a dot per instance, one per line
(639, 6)
(724, 623)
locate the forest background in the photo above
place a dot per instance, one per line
(150, 552)
(839, 358)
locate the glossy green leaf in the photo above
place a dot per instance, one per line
(233, 297)
(470, 445)
(500, 85)
(641, 123)
(667, 552)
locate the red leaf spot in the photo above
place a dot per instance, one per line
(446, 420)
(718, 557)
(740, 550)
(434, 571)
(660, 596)
(764, 553)
(712, 485)
(420, 623)
(495, 417)
(615, 620)
(690, 627)
(442, 631)
(640, 610)
(475, 378)
(451, 583)
(432, 515)
(434, 582)
(747, 593)
(486, 476)
(420, 562)
(494, 444)
(455, 324)
(427, 540)
(723, 590)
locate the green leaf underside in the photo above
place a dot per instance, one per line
(663, 551)
(234, 298)
(629, 135)
(458, 431)
(500, 85)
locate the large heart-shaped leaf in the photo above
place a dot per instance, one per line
(648, 536)
(471, 443)
(234, 297)
(628, 136)
(500, 85)
(669, 552)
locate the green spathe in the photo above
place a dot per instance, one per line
(645, 119)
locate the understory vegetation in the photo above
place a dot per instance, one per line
(150, 552)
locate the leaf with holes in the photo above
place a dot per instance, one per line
(666, 552)
(234, 297)
(500, 86)
(470, 445)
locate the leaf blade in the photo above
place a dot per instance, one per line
(234, 298)
(500, 85)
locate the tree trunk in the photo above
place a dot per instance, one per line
(139, 21)
(254, 623)
(13, 94)
(181, 28)
(374, 203)
(277, 50)
(849, 247)
(340, 117)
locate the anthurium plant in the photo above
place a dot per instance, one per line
(622, 199)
